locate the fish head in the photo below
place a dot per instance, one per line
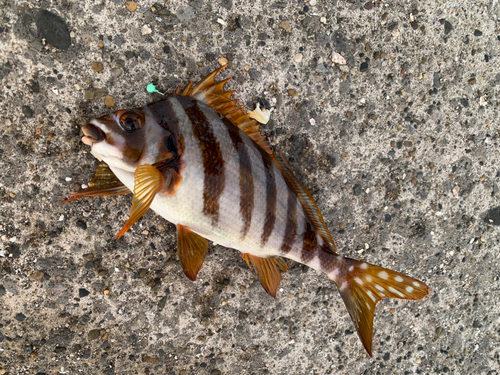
(121, 139)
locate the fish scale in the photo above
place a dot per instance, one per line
(200, 162)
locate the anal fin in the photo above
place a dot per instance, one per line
(148, 182)
(268, 270)
(191, 250)
(104, 182)
(362, 285)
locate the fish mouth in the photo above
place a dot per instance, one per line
(92, 134)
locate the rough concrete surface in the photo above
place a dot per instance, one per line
(399, 147)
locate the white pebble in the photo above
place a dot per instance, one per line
(68, 179)
(145, 30)
(312, 121)
(338, 58)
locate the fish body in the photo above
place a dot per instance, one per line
(200, 162)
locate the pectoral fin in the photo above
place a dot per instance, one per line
(191, 250)
(268, 270)
(149, 181)
(104, 182)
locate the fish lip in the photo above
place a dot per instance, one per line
(93, 134)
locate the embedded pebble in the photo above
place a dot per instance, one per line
(109, 101)
(53, 29)
(97, 66)
(285, 26)
(131, 6)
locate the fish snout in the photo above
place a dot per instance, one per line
(92, 134)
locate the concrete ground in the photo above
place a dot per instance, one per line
(399, 146)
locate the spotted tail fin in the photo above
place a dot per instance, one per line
(362, 285)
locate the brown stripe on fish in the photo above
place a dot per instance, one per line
(328, 261)
(270, 217)
(246, 178)
(171, 147)
(291, 223)
(213, 162)
(309, 244)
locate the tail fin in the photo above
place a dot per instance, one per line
(362, 285)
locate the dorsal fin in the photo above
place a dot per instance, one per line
(308, 203)
(213, 94)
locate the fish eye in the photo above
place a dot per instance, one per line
(130, 122)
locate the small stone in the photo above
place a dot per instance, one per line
(145, 30)
(478, 33)
(215, 372)
(357, 190)
(293, 93)
(109, 101)
(81, 224)
(447, 27)
(95, 93)
(27, 111)
(53, 29)
(83, 292)
(94, 334)
(298, 58)
(97, 66)
(414, 25)
(101, 44)
(369, 5)
(285, 26)
(363, 67)
(387, 218)
(131, 6)
(20, 317)
(222, 61)
(493, 216)
(36, 275)
(338, 58)
(152, 360)
(254, 74)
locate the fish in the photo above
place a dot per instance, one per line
(200, 161)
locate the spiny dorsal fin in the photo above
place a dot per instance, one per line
(213, 94)
(308, 203)
(104, 182)
(268, 270)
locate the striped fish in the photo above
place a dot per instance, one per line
(198, 160)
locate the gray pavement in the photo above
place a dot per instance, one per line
(399, 147)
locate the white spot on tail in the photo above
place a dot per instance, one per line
(351, 268)
(370, 294)
(416, 284)
(383, 275)
(368, 306)
(368, 278)
(391, 289)
(399, 279)
(335, 273)
(382, 294)
(409, 289)
(358, 280)
(381, 288)
(344, 285)
(363, 266)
